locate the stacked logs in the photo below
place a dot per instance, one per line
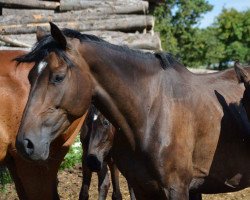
(122, 22)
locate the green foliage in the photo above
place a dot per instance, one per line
(74, 156)
(175, 20)
(5, 178)
(233, 30)
(216, 46)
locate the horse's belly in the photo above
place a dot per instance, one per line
(230, 168)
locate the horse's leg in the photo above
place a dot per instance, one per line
(103, 182)
(10, 163)
(131, 192)
(116, 195)
(35, 181)
(193, 196)
(86, 173)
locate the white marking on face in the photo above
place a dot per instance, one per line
(95, 117)
(41, 66)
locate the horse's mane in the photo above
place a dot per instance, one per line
(47, 44)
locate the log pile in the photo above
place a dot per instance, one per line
(122, 22)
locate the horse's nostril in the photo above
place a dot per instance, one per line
(28, 146)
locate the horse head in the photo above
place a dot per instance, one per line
(60, 92)
(101, 135)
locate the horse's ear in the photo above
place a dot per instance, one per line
(58, 35)
(40, 33)
(242, 75)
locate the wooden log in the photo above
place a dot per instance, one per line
(18, 12)
(29, 4)
(13, 42)
(79, 5)
(132, 40)
(126, 24)
(14, 48)
(59, 17)
(22, 13)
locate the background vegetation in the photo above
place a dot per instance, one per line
(216, 46)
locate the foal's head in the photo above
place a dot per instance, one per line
(101, 139)
(61, 91)
(243, 77)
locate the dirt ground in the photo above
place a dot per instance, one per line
(70, 183)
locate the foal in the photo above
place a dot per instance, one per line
(97, 139)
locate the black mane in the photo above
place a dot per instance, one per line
(48, 44)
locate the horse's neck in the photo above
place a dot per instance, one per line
(121, 88)
(126, 89)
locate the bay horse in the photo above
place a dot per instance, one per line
(33, 181)
(97, 155)
(177, 136)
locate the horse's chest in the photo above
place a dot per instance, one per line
(136, 169)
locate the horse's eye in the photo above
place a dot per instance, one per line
(57, 78)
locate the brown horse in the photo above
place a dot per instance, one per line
(97, 152)
(33, 181)
(177, 133)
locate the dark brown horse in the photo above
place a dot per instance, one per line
(33, 181)
(97, 143)
(177, 133)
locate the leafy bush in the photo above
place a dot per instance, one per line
(4, 177)
(74, 156)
